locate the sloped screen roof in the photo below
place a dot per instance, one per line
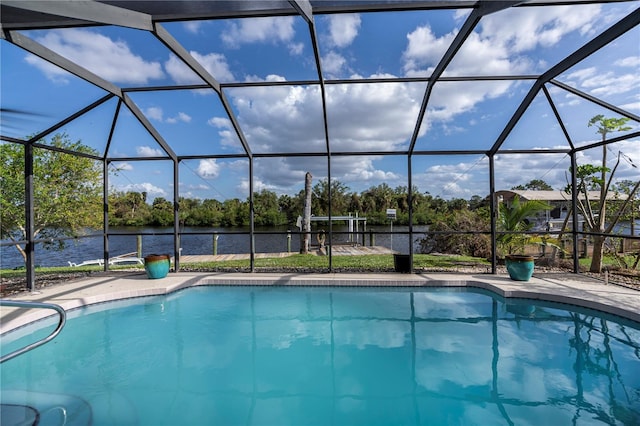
(288, 85)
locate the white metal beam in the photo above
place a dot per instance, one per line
(50, 56)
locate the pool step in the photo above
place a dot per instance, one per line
(11, 414)
(23, 408)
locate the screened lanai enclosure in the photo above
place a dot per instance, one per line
(208, 115)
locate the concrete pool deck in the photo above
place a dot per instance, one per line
(562, 287)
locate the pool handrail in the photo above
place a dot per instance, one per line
(34, 305)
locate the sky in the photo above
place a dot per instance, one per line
(363, 118)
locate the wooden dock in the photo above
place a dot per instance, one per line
(337, 250)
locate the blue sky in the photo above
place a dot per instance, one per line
(361, 118)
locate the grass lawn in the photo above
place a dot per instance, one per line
(376, 262)
(373, 263)
(297, 261)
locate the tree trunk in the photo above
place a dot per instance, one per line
(598, 242)
(22, 252)
(596, 257)
(306, 219)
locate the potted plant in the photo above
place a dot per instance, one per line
(157, 265)
(513, 219)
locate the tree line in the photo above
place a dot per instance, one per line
(133, 209)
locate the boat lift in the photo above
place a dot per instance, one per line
(353, 223)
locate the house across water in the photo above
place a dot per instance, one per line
(560, 202)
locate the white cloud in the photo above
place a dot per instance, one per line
(183, 117)
(467, 178)
(193, 191)
(201, 187)
(180, 73)
(360, 116)
(502, 41)
(241, 166)
(282, 119)
(296, 110)
(424, 49)
(286, 175)
(228, 136)
(147, 151)
(215, 63)
(456, 180)
(154, 113)
(484, 56)
(147, 187)
(523, 30)
(122, 166)
(333, 63)
(259, 30)
(193, 26)
(629, 61)
(504, 44)
(53, 73)
(363, 170)
(632, 106)
(343, 29)
(258, 185)
(208, 169)
(296, 48)
(625, 169)
(110, 59)
(519, 169)
(582, 74)
(157, 114)
(453, 98)
(606, 83)
(219, 122)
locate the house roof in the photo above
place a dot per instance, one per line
(554, 196)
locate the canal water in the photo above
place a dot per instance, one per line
(196, 241)
(201, 241)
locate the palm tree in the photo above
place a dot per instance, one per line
(513, 219)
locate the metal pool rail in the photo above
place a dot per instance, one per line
(34, 305)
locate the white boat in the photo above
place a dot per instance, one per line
(125, 259)
(93, 262)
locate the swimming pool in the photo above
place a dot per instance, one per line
(330, 356)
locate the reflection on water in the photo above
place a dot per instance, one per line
(341, 356)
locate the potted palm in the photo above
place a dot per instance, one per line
(513, 220)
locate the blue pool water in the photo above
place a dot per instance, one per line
(329, 356)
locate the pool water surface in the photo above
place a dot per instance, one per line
(329, 356)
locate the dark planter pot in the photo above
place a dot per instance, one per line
(402, 263)
(157, 265)
(520, 267)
